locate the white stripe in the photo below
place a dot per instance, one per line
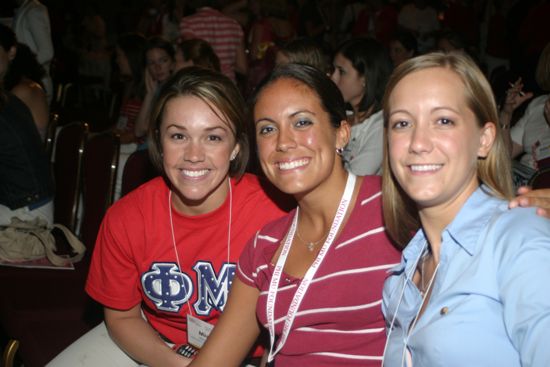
(371, 198)
(258, 269)
(243, 274)
(355, 271)
(268, 238)
(348, 356)
(285, 288)
(332, 309)
(256, 239)
(363, 235)
(332, 275)
(363, 331)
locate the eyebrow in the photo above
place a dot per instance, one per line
(181, 127)
(293, 114)
(432, 110)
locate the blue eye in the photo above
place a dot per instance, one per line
(445, 121)
(303, 123)
(401, 124)
(266, 130)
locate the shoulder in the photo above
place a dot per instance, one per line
(516, 230)
(537, 104)
(372, 126)
(28, 90)
(521, 222)
(139, 203)
(250, 190)
(262, 246)
(371, 188)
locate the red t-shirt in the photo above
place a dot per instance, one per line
(340, 321)
(134, 260)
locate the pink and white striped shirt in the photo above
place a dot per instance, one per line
(223, 33)
(340, 320)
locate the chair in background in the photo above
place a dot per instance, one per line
(137, 171)
(10, 350)
(69, 151)
(49, 141)
(541, 179)
(99, 175)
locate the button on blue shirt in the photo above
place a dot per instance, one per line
(490, 301)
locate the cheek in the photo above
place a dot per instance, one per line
(397, 147)
(170, 153)
(264, 147)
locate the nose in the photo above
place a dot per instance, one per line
(285, 140)
(421, 141)
(334, 76)
(194, 152)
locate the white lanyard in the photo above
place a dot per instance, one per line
(308, 277)
(174, 237)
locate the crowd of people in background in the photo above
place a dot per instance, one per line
(340, 92)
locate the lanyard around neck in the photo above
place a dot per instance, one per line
(174, 236)
(308, 277)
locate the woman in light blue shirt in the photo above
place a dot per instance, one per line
(473, 285)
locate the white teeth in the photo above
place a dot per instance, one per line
(293, 164)
(195, 173)
(425, 167)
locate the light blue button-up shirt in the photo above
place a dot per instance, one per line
(490, 302)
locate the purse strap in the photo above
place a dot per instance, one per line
(48, 241)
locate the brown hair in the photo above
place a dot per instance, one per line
(200, 52)
(217, 91)
(400, 212)
(542, 74)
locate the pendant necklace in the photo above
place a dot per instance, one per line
(310, 244)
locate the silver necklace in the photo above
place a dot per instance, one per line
(310, 244)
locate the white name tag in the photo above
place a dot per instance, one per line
(197, 331)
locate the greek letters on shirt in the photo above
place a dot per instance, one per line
(169, 288)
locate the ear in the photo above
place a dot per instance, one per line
(12, 52)
(235, 151)
(342, 134)
(486, 139)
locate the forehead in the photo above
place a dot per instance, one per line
(287, 92)
(189, 107)
(428, 84)
(156, 52)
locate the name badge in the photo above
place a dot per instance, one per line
(197, 331)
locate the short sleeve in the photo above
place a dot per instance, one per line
(246, 264)
(113, 278)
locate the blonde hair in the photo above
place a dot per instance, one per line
(400, 212)
(542, 75)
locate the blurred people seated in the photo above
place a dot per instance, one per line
(31, 24)
(530, 136)
(403, 46)
(362, 67)
(223, 33)
(196, 52)
(305, 51)
(26, 186)
(24, 78)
